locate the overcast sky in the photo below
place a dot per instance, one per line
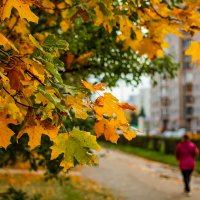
(123, 92)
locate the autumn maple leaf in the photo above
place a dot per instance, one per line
(78, 104)
(5, 42)
(35, 132)
(110, 118)
(23, 9)
(5, 133)
(93, 88)
(75, 145)
(193, 51)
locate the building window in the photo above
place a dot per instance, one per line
(189, 99)
(189, 110)
(188, 87)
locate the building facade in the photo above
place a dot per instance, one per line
(175, 103)
(141, 100)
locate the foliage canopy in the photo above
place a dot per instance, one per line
(42, 42)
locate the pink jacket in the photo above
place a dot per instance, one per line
(186, 152)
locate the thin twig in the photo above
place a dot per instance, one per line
(9, 33)
(16, 100)
(161, 16)
(4, 52)
(33, 76)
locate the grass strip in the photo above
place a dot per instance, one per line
(70, 188)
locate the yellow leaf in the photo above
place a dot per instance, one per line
(79, 105)
(69, 2)
(39, 98)
(4, 41)
(35, 132)
(149, 47)
(193, 51)
(20, 25)
(36, 68)
(22, 7)
(48, 5)
(5, 133)
(129, 132)
(29, 90)
(109, 105)
(7, 103)
(94, 88)
(47, 111)
(108, 129)
(65, 25)
(100, 16)
(15, 112)
(111, 118)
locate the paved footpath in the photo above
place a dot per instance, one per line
(132, 178)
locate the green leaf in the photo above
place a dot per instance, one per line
(53, 43)
(70, 89)
(76, 147)
(36, 43)
(52, 69)
(53, 64)
(71, 12)
(53, 99)
(59, 64)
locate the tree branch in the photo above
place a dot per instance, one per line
(33, 76)
(161, 16)
(16, 99)
(10, 31)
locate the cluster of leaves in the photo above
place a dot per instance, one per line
(34, 53)
(34, 95)
(93, 51)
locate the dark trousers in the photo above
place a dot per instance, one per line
(186, 178)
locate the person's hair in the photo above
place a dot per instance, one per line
(186, 137)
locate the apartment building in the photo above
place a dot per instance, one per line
(176, 103)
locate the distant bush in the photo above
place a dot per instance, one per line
(156, 143)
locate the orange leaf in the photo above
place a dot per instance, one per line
(111, 117)
(109, 105)
(35, 132)
(129, 132)
(108, 129)
(69, 60)
(5, 133)
(4, 41)
(94, 88)
(21, 6)
(16, 76)
(127, 106)
(78, 104)
(84, 56)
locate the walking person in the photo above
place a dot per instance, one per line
(186, 151)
